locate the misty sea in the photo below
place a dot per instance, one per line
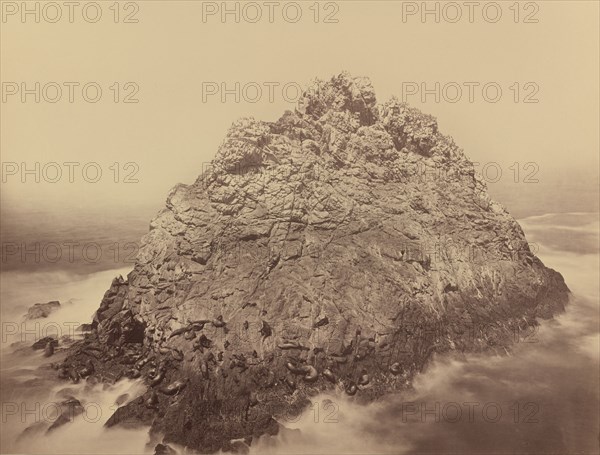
(542, 397)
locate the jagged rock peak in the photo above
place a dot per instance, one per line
(341, 93)
(339, 124)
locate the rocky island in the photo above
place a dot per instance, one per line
(337, 248)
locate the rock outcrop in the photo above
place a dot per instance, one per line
(336, 248)
(42, 310)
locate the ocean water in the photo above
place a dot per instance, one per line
(29, 391)
(541, 398)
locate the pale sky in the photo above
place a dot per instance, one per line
(171, 52)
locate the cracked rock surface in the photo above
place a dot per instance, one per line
(336, 248)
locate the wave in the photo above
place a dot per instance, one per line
(541, 398)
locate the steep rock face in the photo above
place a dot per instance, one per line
(338, 247)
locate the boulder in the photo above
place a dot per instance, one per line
(42, 310)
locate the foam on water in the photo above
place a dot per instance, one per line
(30, 391)
(546, 389)
(85, 433)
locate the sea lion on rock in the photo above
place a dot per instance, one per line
(199, 324)
(339, 359)
(133, 373)
(364, 378)
(321, 322)
(351, 389)
(87, 370)
(74, 376)
(152, 401)
(293, 368)
(290, 383)
(130, 359)
(270, 380)
(291, 344)
(157, 379)
(328, 374)
(174, 387)
(310, 373)
(122, 399)
(219, 322)
(180, 331)
(177, 354)
(142, 362)
(395, 368)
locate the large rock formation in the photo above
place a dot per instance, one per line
(336, 248)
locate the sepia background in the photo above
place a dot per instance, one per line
(171, 132)
(172, 54)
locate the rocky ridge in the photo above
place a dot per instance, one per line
(336, 248)
(41, 310)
